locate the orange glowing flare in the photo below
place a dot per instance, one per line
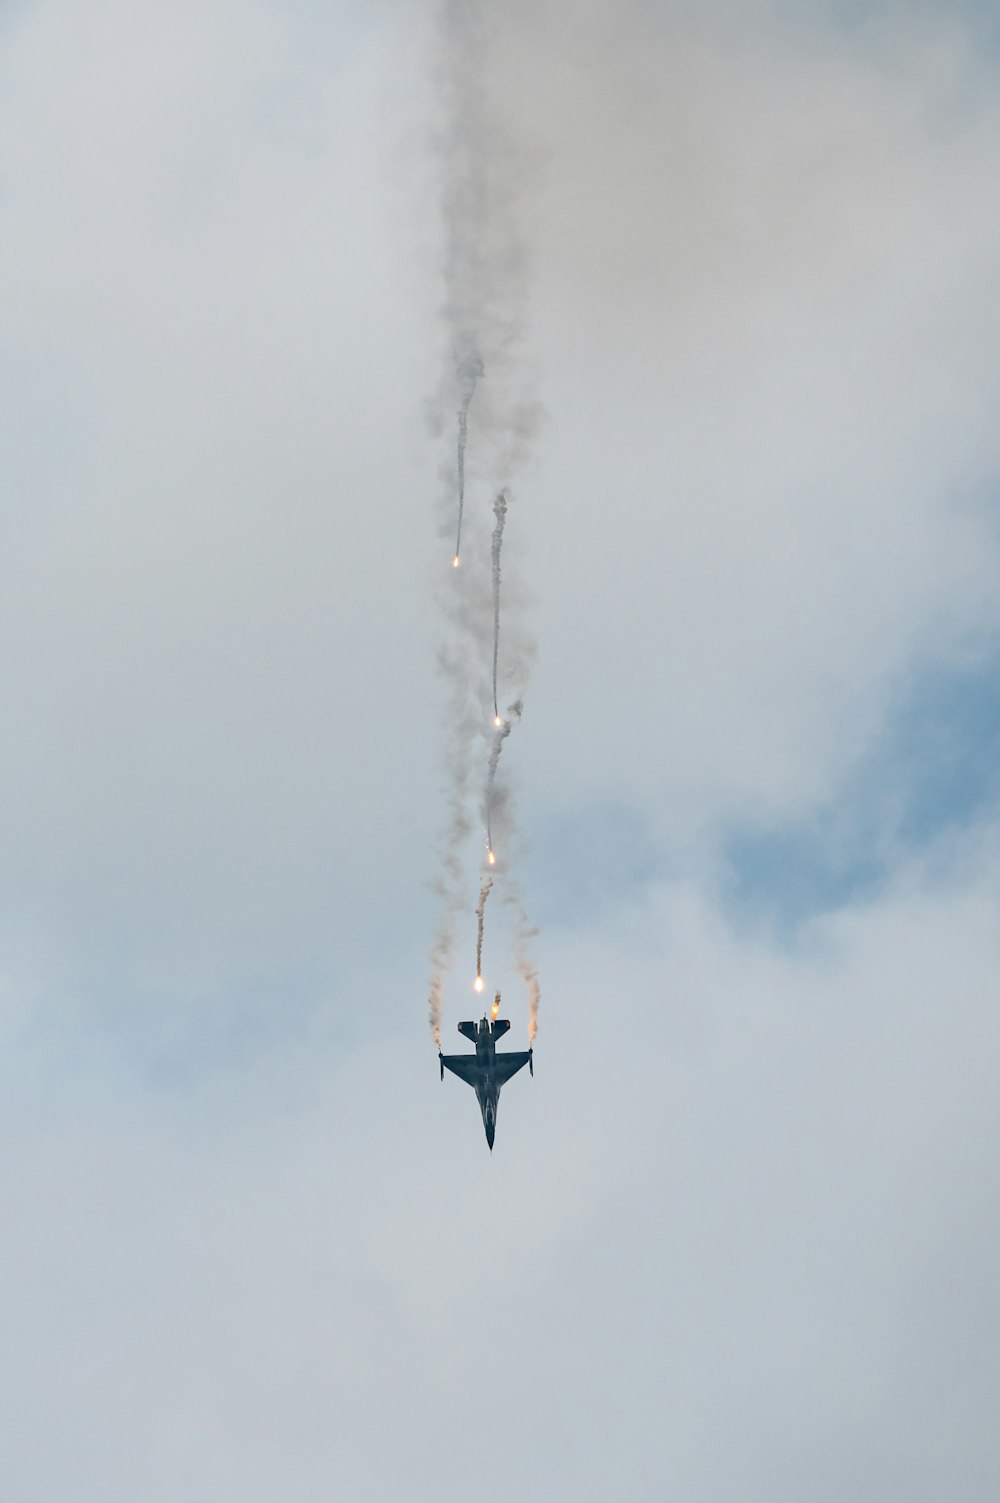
(498, 720)
(455, 562)
(494, 1010)
(478, 983)
(491, 858)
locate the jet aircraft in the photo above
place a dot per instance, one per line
(486, 1070)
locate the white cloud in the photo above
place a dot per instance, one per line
(214, 618)
(764, 262)
(737, 1230)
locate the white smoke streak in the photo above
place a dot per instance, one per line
(469, 373)
(525, 932)
(465, 719)
(484, 893)
(484, 316)
(499, 737)
(500, 512)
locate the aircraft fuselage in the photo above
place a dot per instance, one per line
(486, 1070)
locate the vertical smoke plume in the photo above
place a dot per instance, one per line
(467, 690)
(500, 734)
(524, 963)
(463, 718)
(483, 386)
(529, 975)
(469, 373)
(484, 893)
(459, 66)
(500, 512)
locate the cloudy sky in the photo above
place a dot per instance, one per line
(740, 1235)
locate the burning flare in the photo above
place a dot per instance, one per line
(455, 562)
(478, 983)
(495, 1009)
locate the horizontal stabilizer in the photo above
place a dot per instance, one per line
(469, 1029)
(500, 1027)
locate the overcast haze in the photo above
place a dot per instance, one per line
(739, 1236)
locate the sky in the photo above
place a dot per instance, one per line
(739, 1236)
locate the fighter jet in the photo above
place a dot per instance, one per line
(486, 1070)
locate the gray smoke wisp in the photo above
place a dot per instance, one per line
(500, 735)
(484, 262)
(484, 893)
(461, 670)
(483, 314)
(529, 975)
(500, 512)
(443, 947)
(469, 372)
(524, 933)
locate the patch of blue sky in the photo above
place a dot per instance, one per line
(182, 1041)
(946, 743)
(13, 15)
(584, 861)
(935, 768)
(979, 17)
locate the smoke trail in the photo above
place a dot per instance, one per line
(464, 202)
(484, 893)
(443, 947)
(469, 371)
(483, 170)
(524, 933)
(529, 974)
(435, 998)
(483, 311)
(500, 512)
(449, 890)
(464, 716)
(499, 737)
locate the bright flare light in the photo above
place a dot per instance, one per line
(478, 983)
(496, 1005)
(491, 858)
(454, 562)
(498, 721)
